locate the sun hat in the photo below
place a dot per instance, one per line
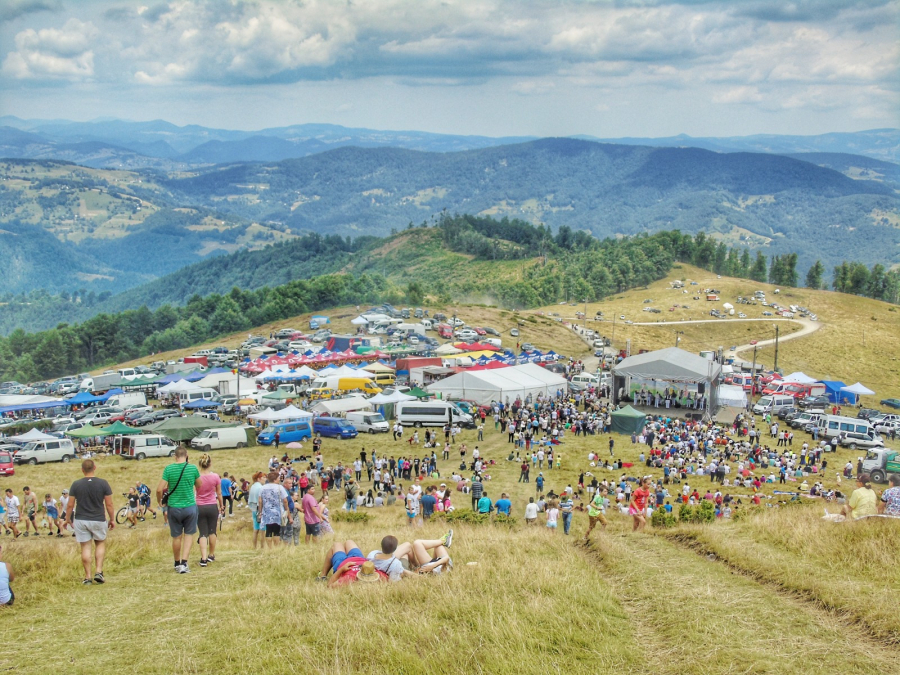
(367, 572)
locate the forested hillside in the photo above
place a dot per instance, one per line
(777, 203)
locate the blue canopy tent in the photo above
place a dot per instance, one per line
(171, 377)
(835, 395)
(83, 398)
(201, 403)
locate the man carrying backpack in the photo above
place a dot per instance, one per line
(350, 495)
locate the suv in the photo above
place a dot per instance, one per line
(854, 440)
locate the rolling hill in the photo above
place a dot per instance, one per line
(772, 202)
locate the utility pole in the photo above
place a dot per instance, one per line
(753, 374)
(777, 328)
(585, 318)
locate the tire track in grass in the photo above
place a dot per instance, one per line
(845, 613)
(697, 617)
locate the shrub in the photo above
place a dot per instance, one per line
(706, 513)
(686, 513)
(351, 516)
(662, 518)
(472, 518)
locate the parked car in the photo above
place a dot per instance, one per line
(867, 413)
(814, 402)
(891, 402)
(491, 331)
(854, 440)
(514, 332)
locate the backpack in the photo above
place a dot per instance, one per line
(349, 492)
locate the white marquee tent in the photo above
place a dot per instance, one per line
(342, 405)
(799, 378)
(501, 384)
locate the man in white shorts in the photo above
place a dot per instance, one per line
(88, 497)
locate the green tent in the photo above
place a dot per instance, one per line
(280, 395)
(627, 420)
(138, 382)
(120, 429)
(87, 431)
(184, 428)
(418, 393)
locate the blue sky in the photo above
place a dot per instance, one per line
(493, 67)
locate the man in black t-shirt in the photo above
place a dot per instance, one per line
(88, 497)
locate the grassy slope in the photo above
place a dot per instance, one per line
(858, 339)
(534, 601)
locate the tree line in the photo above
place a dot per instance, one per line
(569, 265)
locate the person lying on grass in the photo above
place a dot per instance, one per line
(346, 561)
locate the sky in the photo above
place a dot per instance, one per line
(607, 68)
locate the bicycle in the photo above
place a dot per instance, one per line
(122, 514)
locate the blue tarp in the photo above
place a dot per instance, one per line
(834, 393)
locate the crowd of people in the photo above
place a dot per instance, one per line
(691, 461)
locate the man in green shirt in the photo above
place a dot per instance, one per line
(484, 504)
(180, 479)
(596, 511)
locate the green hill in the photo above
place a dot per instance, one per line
(775, 203)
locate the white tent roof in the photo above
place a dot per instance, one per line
(343, 405)
(395, 397)
(292, 412)
(670, 365)
(179, 387)
(799, 378)
(484, 386)
(376, 367)
(267, 415)
(33, 435)
(732, 396)
(859, 389)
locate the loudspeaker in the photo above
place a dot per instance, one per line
(701, 388)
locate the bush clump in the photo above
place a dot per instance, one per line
(662, 518)
(351, 516)
(473, 518)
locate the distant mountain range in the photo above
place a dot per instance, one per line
(112, 143)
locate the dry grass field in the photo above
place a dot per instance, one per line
(797, 595)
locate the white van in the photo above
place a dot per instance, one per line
(147, 445)
(584, 381)
(372, 422)
(427, 323)
(432, 414)
(221, 437)
(772, 404)
(187, 397)
(36, 452)
(125, 400)
(835, 425)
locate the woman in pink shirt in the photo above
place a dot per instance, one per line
(209, 506)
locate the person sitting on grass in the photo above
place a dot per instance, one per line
(346, 562)
(6, 578)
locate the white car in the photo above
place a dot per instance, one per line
(467, 333)
(741, 315)
(456, 322)
(137, 407)
(888, 426)
(622, 316)
(300, 345)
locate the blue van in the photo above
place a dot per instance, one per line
(288, 432)
(334, 427)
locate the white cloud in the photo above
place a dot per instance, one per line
(50, 53)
